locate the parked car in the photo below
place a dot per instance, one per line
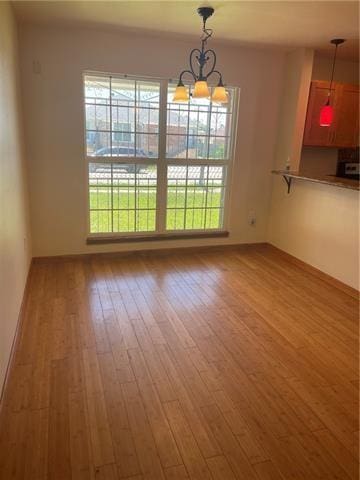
(122, 152)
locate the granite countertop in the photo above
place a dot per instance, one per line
(326, 179)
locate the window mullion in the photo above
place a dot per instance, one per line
(135, 119)
(206, 195)
(111, 165)
(208, 130)
(162, 164)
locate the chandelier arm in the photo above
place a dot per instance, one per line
(214, 64)
(220, 77)
(193, 51)
(186, 71)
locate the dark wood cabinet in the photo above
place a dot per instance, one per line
(346, 121)
(344, 131)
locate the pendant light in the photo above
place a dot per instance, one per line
(202, 57)
(327, 111)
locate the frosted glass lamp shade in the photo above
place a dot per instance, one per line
(219, 95)
(201, 89)
(326, 115)
(181, 94)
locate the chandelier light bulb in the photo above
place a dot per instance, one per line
(219, 95)
(201, 89)
(181, 94)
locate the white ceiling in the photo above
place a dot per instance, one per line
(285, 24)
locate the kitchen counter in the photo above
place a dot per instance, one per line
(326, 179)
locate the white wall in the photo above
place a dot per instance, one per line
(319, 225)
(54, 127)
(316, 223)
(346, 71)
(297, 75)
(15, 249)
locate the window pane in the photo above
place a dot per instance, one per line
(177, 121)
(218, 147)
(145, 220)
(199, 121)
(123, 92)
(198, 147)
(175, 219)
(146, 145)
(213, 218)
(123, 184)
(195, 197)
(100, 221)
(198, 129)
(123, 221)
(214, 197)
(148, 94)
(195, 219)
(100, 198)
(97, 117)
(220, 123)
(176, 146)
(176, 197)
(200, 103)
(97, 89)
(147, 120)
(216, 175)
(122, 197)
(98, 143)
(122, 117)
(123, 145)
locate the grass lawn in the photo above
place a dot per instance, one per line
(203, 209)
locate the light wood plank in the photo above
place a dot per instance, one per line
(240, 363)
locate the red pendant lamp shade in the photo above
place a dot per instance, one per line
(327, 111)
(326, 116)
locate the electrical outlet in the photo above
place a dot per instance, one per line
(252, 218)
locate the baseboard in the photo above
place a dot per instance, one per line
(334, 282)
(150, 252)
(16, 335)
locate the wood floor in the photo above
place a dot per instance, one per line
(213, 365)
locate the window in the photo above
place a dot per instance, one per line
(155, 166)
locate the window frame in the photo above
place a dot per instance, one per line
(162, 163)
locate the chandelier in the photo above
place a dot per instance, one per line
(204, 61)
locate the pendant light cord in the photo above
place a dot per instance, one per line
(336, 42)
(333, 69)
